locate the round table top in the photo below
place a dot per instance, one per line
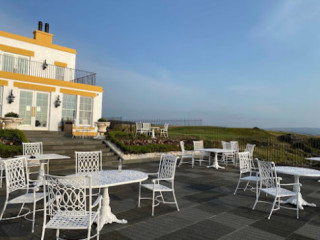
(109, 178)
(313, 158)
(298, 171)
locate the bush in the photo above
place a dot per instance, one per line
(102, 120)
(10, 142)
(12, 114)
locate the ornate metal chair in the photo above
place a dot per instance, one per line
(87, 162)
(270, 184)
(1, 172)
(138, 127)
(34, 148)
(199, 156)
(250, 149)
(146, 128)
(228, 156)
(164, 130)
(165, 175)
(246, 173)
(17, 178)
(184, 155)
(68, 205)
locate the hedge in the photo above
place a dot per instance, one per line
(11, 142)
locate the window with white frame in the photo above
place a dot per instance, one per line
(60, 73)
(15, 63)
(69, 106)
(85, 110)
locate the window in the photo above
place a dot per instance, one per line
(85, 111)
(15, 63)
(59, 73)
(69, 107)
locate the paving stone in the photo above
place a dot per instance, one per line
(297, 237)
(251, 233)
(310, 231)
(232, 220)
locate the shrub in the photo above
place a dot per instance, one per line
(10, 142)
(102, 119)
(12, 114)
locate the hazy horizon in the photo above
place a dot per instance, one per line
(230, 63)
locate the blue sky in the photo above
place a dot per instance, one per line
(230, 63)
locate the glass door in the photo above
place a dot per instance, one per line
(34, 109)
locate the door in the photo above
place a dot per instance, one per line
(34, 109)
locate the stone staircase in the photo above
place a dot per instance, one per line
(62, 143)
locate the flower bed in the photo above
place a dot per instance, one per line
(131, 144)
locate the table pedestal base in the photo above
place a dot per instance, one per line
(215, 163)
(106, 216)
(300, 201)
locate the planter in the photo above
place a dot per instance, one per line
(11, 122)
(102, 128)
(67, 126)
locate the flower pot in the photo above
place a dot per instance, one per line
(102, 127)
(11, 122)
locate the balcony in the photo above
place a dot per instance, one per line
(22, 65)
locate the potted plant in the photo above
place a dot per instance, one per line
(11, 120)
(102, 125)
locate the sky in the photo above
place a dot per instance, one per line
(229, 63)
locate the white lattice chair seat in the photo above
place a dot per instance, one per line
(156, 187)
(282, 192)
(26, 198)
(71, 222)
(250, 178)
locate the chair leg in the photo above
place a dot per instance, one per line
(192, 161)
(34, 215)
(98, 226)
(4, 208)
(57, 234)
(21, 209)
(175, 200)
(274, 203)
(257, 198)
(1, 176)
(152, 214)
(246, 186)
(139, 199)
(43, 231)
(235, 191)
(89, 231)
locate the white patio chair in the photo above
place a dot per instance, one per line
(163, 183)
(270, 184)
(250, 149)
(199, 156)
(2, 176)
(88, 162)
(184, 155)
(69, 206)
(246, 173)
(34, 148)
(164, 130)
(138, 127)
(228, 156)
(146, 128)
(17, 179)
(235, 149)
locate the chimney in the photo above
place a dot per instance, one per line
(46, 27)
(43, 38)
(40, 26)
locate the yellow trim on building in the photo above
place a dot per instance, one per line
(39, 41)
(15, 50)
(74, 92)
(48, 81)
(34, 87)
(3, 82)
(60, 64)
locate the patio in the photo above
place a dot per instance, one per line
(208, 210)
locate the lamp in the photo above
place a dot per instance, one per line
(44, 65)
(57, 102)
(11, 97)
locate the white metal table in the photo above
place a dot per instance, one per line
(314, 159)
(215, 164)
(111, 178)
(298, 172)
(43, 158)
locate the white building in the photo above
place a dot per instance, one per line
(40, 74)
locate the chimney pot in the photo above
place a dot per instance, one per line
(40, 26)
(46, 27)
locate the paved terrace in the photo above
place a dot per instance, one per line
(208, 210)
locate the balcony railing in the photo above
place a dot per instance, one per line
(21, 65)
